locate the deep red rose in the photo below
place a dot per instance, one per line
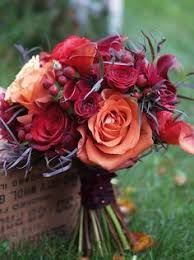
(177, 132)
(121, 77)
(105, 45)
(53, 129)
(6, 112)
(75, 51)
(87, 107)
(73, 90)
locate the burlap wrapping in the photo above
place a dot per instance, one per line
(37, 205)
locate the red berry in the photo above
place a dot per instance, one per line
(28, 137)
(27, 127)
(62, 80)
(69, 72)
(47, 83)
(21, 135)
(53, 90)
(59, 73)
(141, 81)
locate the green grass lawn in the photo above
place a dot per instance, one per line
(165, 210)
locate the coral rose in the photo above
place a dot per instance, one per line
(27, 88)
(115, 136)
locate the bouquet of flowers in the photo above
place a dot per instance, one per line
(97, 106)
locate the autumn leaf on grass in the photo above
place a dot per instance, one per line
(127, 207)
(140, 241)
(180, 180)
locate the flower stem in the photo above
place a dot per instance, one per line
(118, 227)
(80, 243)
(106, 230)
(98, 240)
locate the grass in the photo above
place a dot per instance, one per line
(165, 210)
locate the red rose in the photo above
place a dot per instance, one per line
(121, 77)
(87, 107)
(6, 112)
(53, 129)
(78, 52)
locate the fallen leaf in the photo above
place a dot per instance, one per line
(140, 241)
(180, 180)
(161, 170)
(126, 206)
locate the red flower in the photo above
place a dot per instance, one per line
(105, 45)
(172, 131)
(121, 77)
(73, 90)
(6, 113)
(53, 129)
(87, 107)
(167, 94)
(152, 75)
(166, 63)
(78, 52)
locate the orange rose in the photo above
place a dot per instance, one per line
(115, 136)
(27, 88)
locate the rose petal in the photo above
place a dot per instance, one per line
(166, 63)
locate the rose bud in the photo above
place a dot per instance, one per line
(141, 81)
(53, 90)
(21, 135)
(47, 83)
(69, 72)
(62, 80)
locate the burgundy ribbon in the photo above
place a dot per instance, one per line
(96, 187)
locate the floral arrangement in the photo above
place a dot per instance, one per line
(98, 106)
